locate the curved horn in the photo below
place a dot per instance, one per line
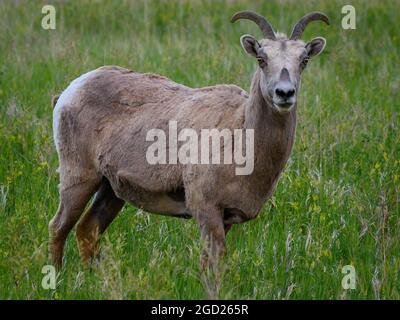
(264, 25)
(303, 22)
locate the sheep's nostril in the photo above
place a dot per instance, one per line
(290, 93)
(280, 93)
(284, 93)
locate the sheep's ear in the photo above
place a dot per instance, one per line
(249, 44)
(315, 46)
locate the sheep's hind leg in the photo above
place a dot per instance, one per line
(227, 227)
(73, 200)
(95, 221)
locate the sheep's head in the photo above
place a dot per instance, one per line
(281, 59)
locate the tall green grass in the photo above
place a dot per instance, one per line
(336, 204)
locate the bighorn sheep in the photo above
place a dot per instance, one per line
(100, 124)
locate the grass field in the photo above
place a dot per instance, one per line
(336, 204)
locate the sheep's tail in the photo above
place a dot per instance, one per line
(54, 100)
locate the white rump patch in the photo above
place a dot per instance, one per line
(65, 99)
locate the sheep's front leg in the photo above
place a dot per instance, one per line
(212, 230)
(210, 220)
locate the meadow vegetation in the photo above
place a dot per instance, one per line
(336, 204)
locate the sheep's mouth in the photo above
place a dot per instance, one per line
(283, 107)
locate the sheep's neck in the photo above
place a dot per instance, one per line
(273, 136)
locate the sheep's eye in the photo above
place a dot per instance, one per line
(261, 62)
(304, 62)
